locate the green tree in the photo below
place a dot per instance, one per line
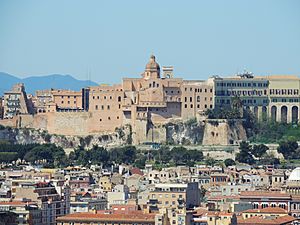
(229, 162)
(179, 155)
(289, 149)
(259, 150)
(210, 161)
(245, 156)
(163, 154)
(98, 155)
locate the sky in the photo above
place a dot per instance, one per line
(107, 40)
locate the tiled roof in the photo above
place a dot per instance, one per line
(259, 220)
(277, 210)
(89, 216)
(16, 203)
(264, 194)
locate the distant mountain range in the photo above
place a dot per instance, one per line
(34, 83)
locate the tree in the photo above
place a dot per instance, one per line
(210, 161)
(244, 156)
(229, 162)
(98, 155)
(163, 154)
(259, 150)
(179, 155)
(289, 149)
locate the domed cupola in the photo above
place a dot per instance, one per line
(295, 175)
(152, 69)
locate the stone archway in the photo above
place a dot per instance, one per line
(273, 113)
(284, 113)
(295, 110)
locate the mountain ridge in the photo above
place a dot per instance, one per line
(36, 82)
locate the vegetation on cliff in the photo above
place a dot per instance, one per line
(274, 132)
(255, 154)
(48, 155)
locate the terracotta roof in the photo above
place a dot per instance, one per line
(136, 171)
(277, 210)
(16, 203)
(89, 216)
(277, 194)
(260, 220)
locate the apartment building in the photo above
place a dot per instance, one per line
(177, 196)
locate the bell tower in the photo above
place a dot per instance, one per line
(152, 69)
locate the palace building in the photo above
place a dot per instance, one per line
(148, 102)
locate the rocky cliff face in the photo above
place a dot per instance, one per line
(191, 132)
(26, 136)
(185, 133)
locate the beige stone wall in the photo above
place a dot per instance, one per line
(220, 132)
(67, 99)
(68, 123)
(196, 96)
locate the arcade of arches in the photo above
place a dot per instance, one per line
(279, 113)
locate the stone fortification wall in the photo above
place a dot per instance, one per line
(223, 132)
(190, 132)
(69, 123)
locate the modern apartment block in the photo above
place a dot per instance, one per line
(174, 195)
(16, 102)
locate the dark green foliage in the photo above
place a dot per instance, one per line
(191, 122)
(8, 156)
(129, 137)
(181, 155)
(210, 161)
(289, 149)
(98, 154)
(21, 150)
(54, 156)
(259, 150)
(269, 161)
(229, 162)
(163, 155)
(249, 121)
(223, 113)
(274, 132)
(51, 154)
(245, 156)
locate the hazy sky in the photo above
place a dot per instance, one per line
(114, 39)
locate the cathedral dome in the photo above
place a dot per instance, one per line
(152, 65)
(295, 175)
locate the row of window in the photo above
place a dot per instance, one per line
(285, 100)
(166, 196)
(110, 97)
(200, 90)
(241, 93)
(103, 107)
(198, 106)
(284, 91)
(228, 101)
(198, 99)
(68, 96)
(241, 84)
(68, 102)
(109, 118)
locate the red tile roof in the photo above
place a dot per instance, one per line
(113, 217)
(274, 194)
(276, 210)
(260, 220)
